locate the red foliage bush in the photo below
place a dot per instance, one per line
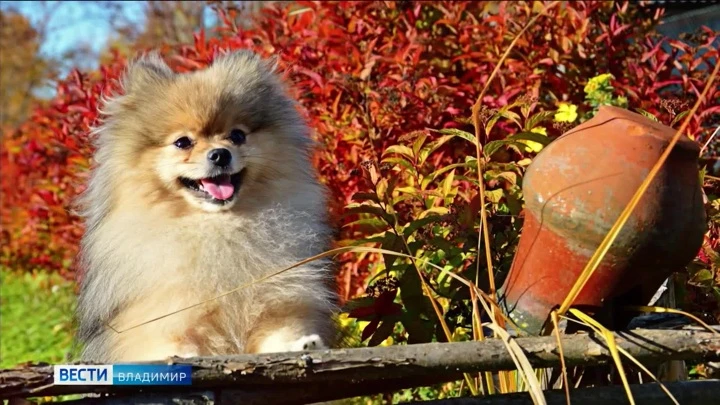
(366, 73)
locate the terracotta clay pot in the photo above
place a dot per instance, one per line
(574, 191)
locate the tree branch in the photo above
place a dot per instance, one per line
(686, 393)
(368, 370)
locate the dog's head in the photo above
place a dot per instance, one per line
(212, 138)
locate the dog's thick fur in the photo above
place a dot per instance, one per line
(151, 247)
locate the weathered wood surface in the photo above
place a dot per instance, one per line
(332, 374)
(685, 392)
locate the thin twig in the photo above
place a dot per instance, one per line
(709, 139)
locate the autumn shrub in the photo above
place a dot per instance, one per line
(387, 88)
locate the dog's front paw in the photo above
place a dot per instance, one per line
(182, 355)
(307, 342)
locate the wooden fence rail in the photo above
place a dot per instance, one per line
(342, 373)
(704, 392)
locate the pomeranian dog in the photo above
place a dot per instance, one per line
(203, 183)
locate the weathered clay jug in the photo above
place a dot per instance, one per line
(574, 191)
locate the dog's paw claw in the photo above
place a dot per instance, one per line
(181, 356)
(308, 342)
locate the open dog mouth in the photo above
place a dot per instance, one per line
(219, 189)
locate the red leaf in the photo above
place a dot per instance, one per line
(369, 329)
(362, 312)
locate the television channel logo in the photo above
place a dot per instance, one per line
(123, 374)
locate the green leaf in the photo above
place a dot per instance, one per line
(413, 247)
(419, 330)
(434, 175)
(510, 177)
(399, 161)
(494, 196)
(518, 147)
(416, 306)
(409, 190)
(368, 224)
(432, 147)
(385, 272)
(425, 182)
(401, 150)
(393, 243)
(491, 123)
(364, 209)
(459, 133)
(447, 184)
(491, 173)
(383, 331)
(418, 223)
(362, 241)
(434, 210)
(441, 243)
(514, 204)
(392, 183)
(647, 114)
(403, 197)
(366, 197)
(411, 292)
(525, 110)
(703, 276)
(513, 105)
(530, 136)
(419, 142)
(679, 117)
(512, 116)
(493, 146)
(536, 119)
(358, 302)
(716, 293)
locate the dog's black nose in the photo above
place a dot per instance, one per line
(220, 157)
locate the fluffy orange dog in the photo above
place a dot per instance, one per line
(203, 183)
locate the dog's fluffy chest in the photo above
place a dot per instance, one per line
(213, 251)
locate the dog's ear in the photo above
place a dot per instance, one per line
(147, 70)
(245, 61)
(236, 59)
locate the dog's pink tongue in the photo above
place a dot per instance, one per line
(219, 188)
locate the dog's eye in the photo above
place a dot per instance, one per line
(183, 142)
(237, 136)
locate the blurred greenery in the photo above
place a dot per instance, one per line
(35, 317)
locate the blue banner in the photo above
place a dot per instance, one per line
(123, 374)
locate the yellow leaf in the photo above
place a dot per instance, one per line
(524, 162)
(539, 130)
(653, 309)
(494, 196)
(510, 177)
(611, 345)
(597, 81)
(436, 210)
(447, 184)
(566, 113)
(533, 146)
(525, 369)
(400, 149)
